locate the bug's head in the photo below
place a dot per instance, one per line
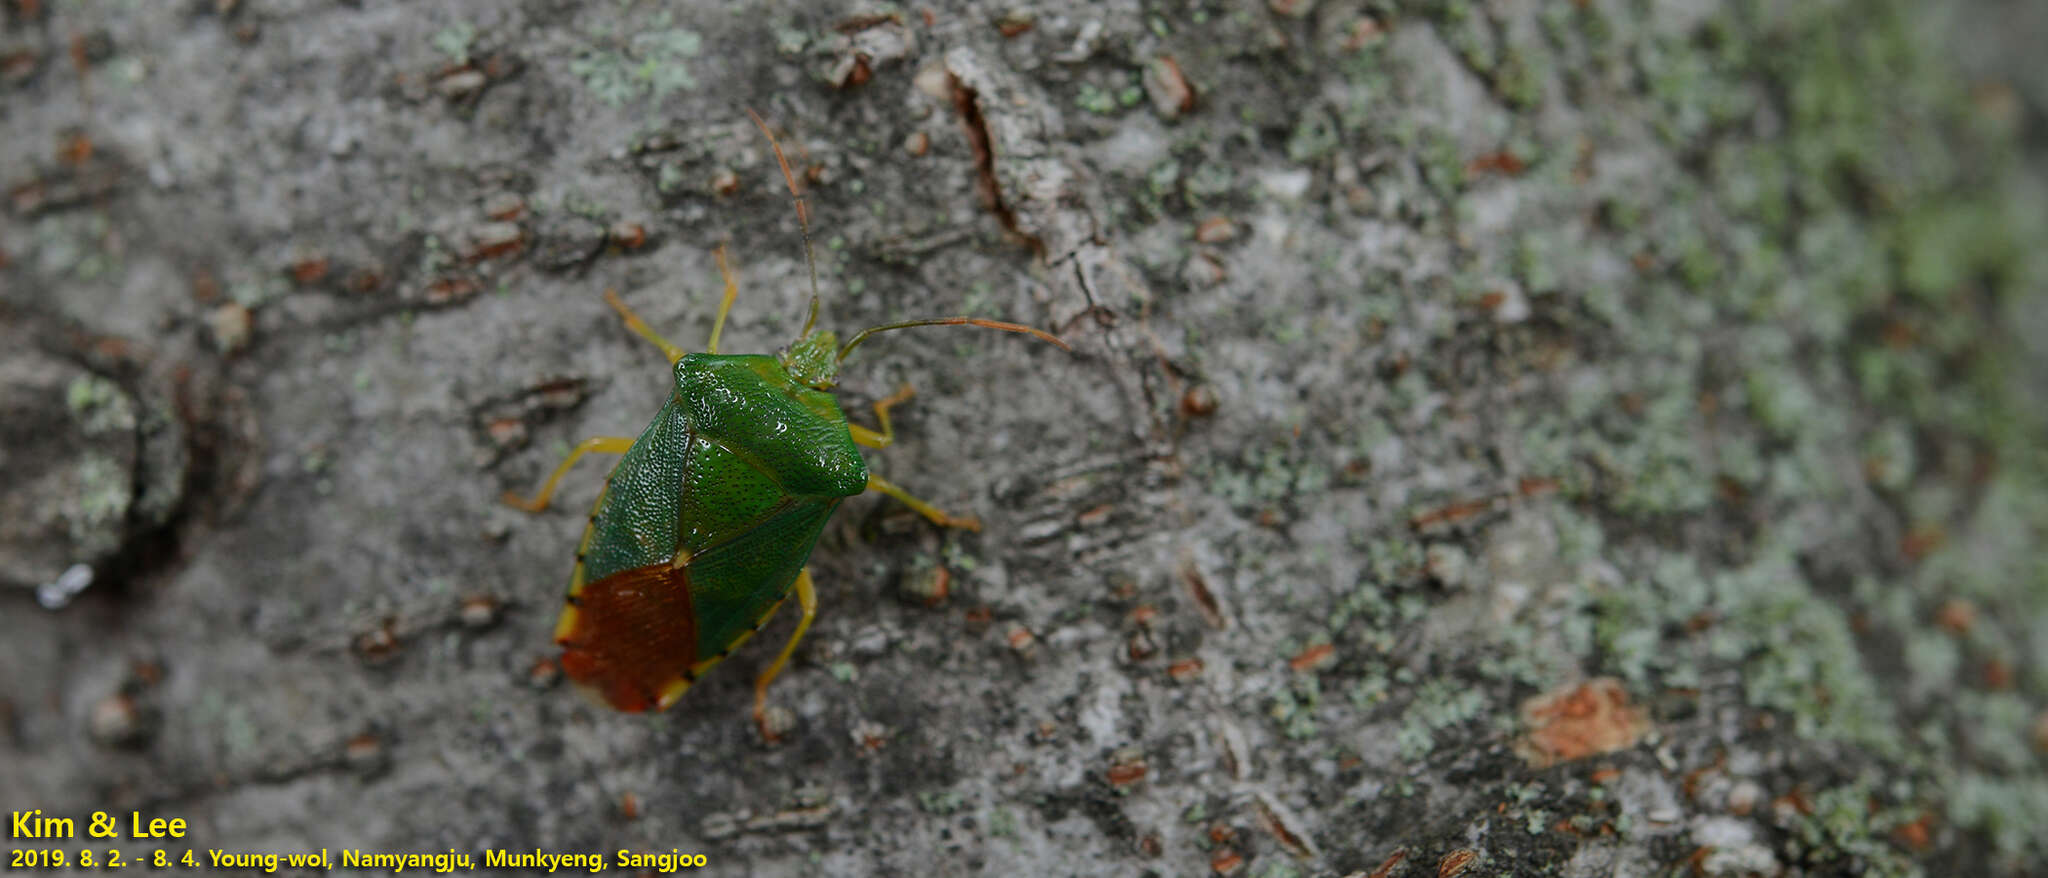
(813, 359)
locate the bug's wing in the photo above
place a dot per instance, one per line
(737, 582)
(631, 637)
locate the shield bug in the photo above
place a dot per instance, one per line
(705, 525)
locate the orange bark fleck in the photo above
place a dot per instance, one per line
(1585, 720)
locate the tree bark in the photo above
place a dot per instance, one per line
(1597, 438)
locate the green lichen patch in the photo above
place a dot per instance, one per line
(653, 62)
(1438, 705)
(103, 491)
(99, 405)
(456, 40)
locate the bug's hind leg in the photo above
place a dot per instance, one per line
(640, 327)
(884, 437)
(806, 600)
(601, 444)
(938, 517)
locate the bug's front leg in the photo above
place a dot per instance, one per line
(640, 328)
(936, 515)
(602, 444)
(886, 436)
(732, 290)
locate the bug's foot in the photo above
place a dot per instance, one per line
(774, 723)
(963, 522)
(517, 502)
(903, 394)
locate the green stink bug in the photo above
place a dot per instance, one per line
(706, 523)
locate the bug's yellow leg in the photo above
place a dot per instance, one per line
(732, 290)
(806, 600)
(640, 327)
(965, 522)
(883, 437)
(603, 444)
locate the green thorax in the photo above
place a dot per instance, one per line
(751, 404)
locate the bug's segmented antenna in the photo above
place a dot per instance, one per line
(950, 321)
(803, 217)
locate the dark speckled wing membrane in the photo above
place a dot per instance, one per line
(634, 634)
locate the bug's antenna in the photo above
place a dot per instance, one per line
(803, 217)
(949, 321)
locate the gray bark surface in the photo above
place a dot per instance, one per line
(1577, 438)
